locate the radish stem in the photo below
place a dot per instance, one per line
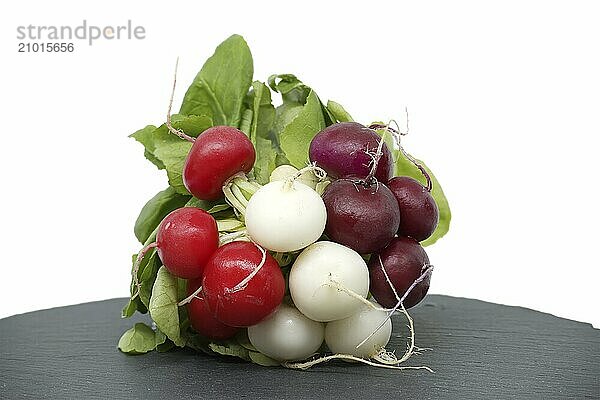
(174, 131)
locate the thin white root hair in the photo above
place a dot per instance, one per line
(387, 278)
(410, 348)
(375, 157)
(174, 131)
(386, 357)
(190, 297)
(400, 303)
(337, 285)
(308, 364)
(396, 135)
(242, 285)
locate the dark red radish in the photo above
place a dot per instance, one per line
(217, 154)
(185, 240)
(248, 304)
(202, 319)
(419, 212)
(347, 149)
(361, 216)
(404, 261)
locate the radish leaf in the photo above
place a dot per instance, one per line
(221, 86)
(138, 340)
(296, 136)
(168, 151)
(163, 306)
(406, 168)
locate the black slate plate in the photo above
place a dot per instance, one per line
(480, 351)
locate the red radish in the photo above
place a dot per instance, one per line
(419, 213)
(201, 317)
(364, 217)
(218, 154)
(404, 261)
(247, 304)
(185, 240)
(347, 149)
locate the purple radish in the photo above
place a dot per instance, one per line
(404, 260)
(364, 217)
(347, 149)
(419, 213)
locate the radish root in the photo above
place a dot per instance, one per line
(242, 285)
(396, 135)
(384, 358)
(400, 304)
(308, 364)
(375, 157)
(190, 297)
(335, 284)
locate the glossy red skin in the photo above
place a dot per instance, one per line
(217, 154)
(341, 150)
(403, 260)
(419, 214)
(362, 218)
(186, 239)
(202, 319)
(230, 264)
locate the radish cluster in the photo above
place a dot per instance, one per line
(297, 241)
(364, 213)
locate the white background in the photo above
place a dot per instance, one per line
(503, 101)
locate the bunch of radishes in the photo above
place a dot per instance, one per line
(313, 261)
(240, 284)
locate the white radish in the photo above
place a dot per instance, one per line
(284, 172)
(287, 335)
(328, 281)
(285, 216)
(344, 335)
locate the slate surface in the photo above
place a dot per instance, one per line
(480, 351)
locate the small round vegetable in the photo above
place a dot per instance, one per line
(285, 216)
(185, 240)
(419, 213)
(251, 303)
(362, 217)
(319, 277)
(201, 317)
(287, 335)
(284, 172)
(404, 261)
(344, 335)
(342, 150)
(216, 155)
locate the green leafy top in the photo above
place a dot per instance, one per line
(219, 89)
